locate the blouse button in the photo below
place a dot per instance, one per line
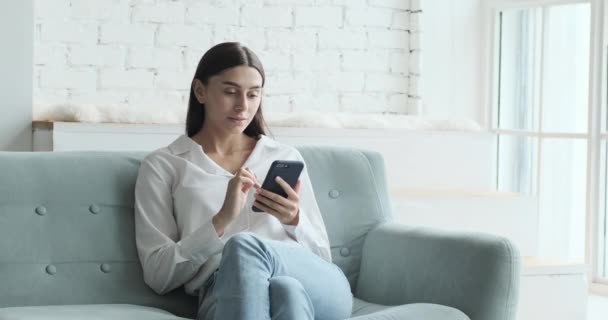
(334, 194)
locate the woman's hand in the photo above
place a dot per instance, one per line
(236, 193)
(287, 210)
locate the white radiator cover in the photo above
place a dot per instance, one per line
(414, 159)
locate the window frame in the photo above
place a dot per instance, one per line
(596, 135)
(597, 240)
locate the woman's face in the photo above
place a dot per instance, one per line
(231, 98)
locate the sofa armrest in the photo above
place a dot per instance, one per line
(475, 273)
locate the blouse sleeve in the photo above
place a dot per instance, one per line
(167, 261)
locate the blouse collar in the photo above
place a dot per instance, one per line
(184, 144)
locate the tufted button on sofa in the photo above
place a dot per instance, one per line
(67, 247)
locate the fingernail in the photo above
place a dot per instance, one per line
(277, 178)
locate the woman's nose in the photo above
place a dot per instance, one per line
(242, 102)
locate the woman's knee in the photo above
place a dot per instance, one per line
(240, 241)
(287, 294)
(285, 285)
(243, 249)
(337, 299)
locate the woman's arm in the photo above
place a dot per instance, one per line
(167, 261)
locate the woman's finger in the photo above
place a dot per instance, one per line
(246, 183)
(260, 205)
(290, 192)
(282, 205)
(269, 203)
(246, 172)
(273, 196)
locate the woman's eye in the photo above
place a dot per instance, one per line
(253, 96)
(230, 92)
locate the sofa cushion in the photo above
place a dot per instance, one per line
(363, 310)
(86, 312)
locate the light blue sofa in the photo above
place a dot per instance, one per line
(67, 246)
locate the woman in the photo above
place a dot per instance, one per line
(193, 217)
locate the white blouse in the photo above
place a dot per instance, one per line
(178, 191)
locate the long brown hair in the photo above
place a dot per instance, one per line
(217, 59)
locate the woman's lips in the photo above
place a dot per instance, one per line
(237, 121)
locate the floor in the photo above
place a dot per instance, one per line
(597, 308)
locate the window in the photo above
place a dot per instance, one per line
(541, 107)
(601, 241)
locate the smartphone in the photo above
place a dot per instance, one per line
(288, 170)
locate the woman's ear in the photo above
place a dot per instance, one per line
(199, 91)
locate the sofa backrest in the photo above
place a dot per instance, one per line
(67, 233)
(351, 190)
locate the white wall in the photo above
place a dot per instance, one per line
(451, 80)
(16, 32)
(510, 215)
(141, 54)
(358, 47)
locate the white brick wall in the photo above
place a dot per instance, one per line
(317, 61)
(343, 39)
(365, 102)
(127, 34)
(320, 16)
(212, 14)
(59, 78)
(106, 10)
(334, 55)
(82, 32)
(287, 40)
(151, 58)
(397, 4)
(120, 79)
(97, 55)
(318, 102)
(376, 61)
(254, 16)
(163, 12)
(176, 36)
(50, 54)
(370, 17)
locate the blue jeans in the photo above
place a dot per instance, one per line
(265, 279)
